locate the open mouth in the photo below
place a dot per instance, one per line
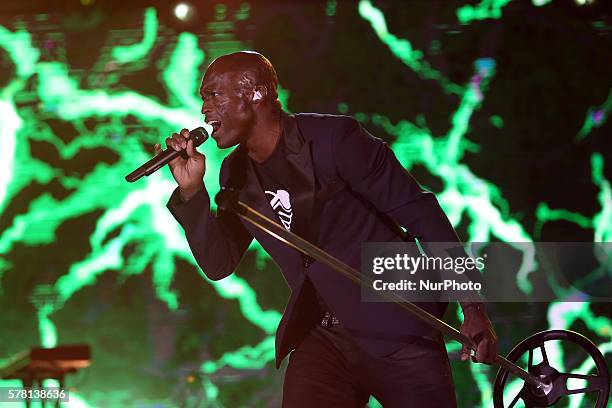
(216, 125)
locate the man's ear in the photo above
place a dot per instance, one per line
(259, 93)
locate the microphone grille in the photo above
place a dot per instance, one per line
(198, 135)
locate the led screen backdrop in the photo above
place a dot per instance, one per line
(499, 107)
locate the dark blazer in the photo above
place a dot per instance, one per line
(351, 189)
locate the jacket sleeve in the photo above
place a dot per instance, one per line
(217, 242)
(370, 168)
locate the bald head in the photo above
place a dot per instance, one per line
(254, 71)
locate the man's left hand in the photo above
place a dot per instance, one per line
(477, 326)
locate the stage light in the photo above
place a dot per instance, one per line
(184, 11)
(584, 2)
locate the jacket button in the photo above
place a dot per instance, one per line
(308, 261)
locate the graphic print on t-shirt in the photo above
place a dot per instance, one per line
(280, 202)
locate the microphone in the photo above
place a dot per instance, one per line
(198, 135)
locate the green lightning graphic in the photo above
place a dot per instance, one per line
(403, 49)
(135, 52)
(485, 9)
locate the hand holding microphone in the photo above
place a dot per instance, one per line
(186, 163)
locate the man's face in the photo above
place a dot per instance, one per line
(226, 107)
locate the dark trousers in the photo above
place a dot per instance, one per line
(328, 370)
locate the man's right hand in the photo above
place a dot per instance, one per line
(189, 172)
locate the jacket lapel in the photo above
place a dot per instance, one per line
(299, 161)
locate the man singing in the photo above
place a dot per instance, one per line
(325, 178)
